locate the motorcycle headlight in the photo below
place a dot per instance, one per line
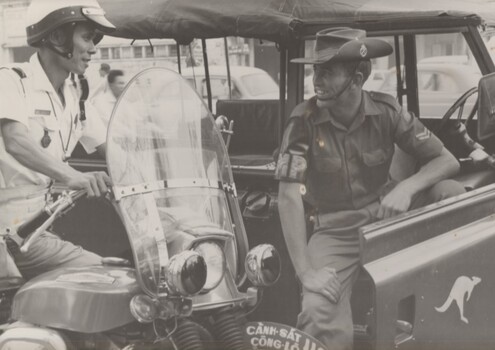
(262, 265)
(215, 263)
(186, 273)
(143, 308)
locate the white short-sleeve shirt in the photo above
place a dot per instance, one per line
(33, 102)
(104, 104)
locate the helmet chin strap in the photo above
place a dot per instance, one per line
(65, 44)
(66, 55)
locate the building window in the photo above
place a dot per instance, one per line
(148, 51)
(104, 54)
(127, 52)
(138, 51)
(161, 51)
(172, 50)
(116, 52)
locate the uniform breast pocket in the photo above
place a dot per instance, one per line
(328, 175)
(328, 164)
(376, 165)
(44, 129)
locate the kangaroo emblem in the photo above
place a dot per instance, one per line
(463, 285)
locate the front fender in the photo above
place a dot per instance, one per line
(27, 337)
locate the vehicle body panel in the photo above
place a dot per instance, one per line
(425, 275)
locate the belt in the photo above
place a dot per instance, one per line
(345, 220)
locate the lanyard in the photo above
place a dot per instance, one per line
(65, 149)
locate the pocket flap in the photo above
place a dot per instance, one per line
(328, 164)
(376, 157)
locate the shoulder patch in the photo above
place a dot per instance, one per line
(386, 99)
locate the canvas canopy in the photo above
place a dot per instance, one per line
(275, 20)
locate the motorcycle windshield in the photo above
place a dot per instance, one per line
(169, 168)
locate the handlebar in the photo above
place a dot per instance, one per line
(39, 222)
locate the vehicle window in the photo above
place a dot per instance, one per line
(219, 88)
(191, 82)
(437, 82)
(490, 43)
(445, 66)
(259, 84)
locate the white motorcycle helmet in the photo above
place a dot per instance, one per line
(44, 16)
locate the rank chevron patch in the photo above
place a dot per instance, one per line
(426, 134)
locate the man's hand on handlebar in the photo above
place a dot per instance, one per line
(96, 183)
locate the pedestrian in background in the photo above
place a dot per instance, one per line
(105, 102)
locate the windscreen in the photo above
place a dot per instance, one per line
(168, 165)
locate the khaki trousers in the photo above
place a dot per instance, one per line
(335, 243)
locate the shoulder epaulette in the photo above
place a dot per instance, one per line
(20, 72)
(299, 110)
(385, 98)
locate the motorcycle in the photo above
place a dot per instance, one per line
(192, 280)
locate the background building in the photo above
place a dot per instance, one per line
(133, 56)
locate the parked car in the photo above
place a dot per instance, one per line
(376, 79)
(247, 83)
(440, 84)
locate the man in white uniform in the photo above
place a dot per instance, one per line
(101, 86)
(41, 120)
(105, 102)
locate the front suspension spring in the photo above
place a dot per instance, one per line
(228, 330)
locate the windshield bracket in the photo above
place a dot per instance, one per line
(120, 192)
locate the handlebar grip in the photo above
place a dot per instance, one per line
(38, 219)
(33, 223)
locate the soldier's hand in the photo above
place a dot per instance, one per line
(95, 183)
(323, 281)
(395, 202)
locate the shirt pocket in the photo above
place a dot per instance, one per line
(328, 164)
(41, 125)
(327, 181)
(376, 166)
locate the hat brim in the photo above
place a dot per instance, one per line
(350, 51)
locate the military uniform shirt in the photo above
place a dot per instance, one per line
(346, 168)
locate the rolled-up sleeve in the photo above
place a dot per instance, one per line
(414, 138)
(292, 162)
